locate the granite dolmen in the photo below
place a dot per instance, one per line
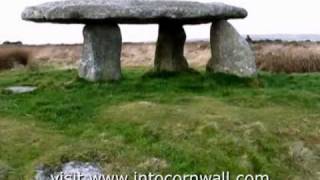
(102, 36)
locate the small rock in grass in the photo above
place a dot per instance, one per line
(20, 89)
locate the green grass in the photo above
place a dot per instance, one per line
(190, 123)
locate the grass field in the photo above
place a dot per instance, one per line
(192, 123)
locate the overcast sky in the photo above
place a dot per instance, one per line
(265, 17)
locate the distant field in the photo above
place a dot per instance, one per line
(271, 56)
(192, 123)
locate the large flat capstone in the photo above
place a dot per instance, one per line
(131, 11)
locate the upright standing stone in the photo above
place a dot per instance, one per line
(170, 47)
(101, 52)
(231, 53)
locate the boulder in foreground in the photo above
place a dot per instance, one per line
(76, 170)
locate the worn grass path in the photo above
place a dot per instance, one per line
(192, 123)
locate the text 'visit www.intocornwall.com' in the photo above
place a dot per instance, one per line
(150, 176)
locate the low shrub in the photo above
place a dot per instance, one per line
(11, 58)
(288, 63)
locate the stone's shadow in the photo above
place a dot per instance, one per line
(223, 79)
(203, 81)
(169, 74)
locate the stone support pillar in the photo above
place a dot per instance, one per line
(231, 53)
(170, 46)
(101, 53)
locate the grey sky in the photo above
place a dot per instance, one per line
(265, 17)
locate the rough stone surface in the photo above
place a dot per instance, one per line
(101, 53)
(20, 89)
(72, 169)
(170, 47)
(131, 11)
(231, 53)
